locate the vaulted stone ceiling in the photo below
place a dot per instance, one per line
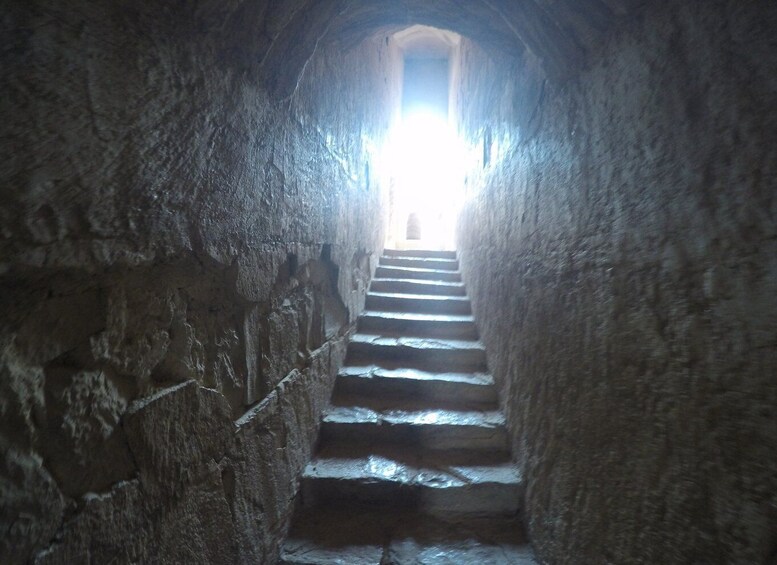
(560, 33)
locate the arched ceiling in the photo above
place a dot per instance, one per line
(426, 42)
(560, 33)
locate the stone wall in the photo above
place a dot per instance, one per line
(620, 249)
(187, 234)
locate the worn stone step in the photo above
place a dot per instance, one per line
(411, 426)
(433, 354)
(429, 482)
(456, 326)
(385, 272)
(421, 263)
(391, 302)
(361, 536)
(413, 286)
(432, 387)
(414, 452)
(424, 253)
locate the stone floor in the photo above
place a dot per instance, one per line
(413, 464)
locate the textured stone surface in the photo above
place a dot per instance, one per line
(82, 441)
(620, 252)
(32, 506)
(181, 244)
(174, 433)
(109, 526)
(272, 445)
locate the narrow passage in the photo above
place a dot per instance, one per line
(413, 464)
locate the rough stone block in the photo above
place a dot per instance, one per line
(258, 272)
(59, 324)
(283, 333)
(83, 441)
(137, 332)
(175, 433)
(111, 527)
(31, 506)
(198, 528)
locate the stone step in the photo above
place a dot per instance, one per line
(413, 462)
(424, 253)
(431, 387)
(411, 286)
(361, 536)
(413, 426)
(421, 353)
(420, 263)
(424, 303)
(429, 482)
(456, 326)
(385, 272)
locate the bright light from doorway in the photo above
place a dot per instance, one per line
(428, 170)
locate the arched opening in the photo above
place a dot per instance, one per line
(424, 153)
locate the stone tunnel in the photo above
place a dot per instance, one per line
(194, 199)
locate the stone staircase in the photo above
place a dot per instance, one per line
(413, 465)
